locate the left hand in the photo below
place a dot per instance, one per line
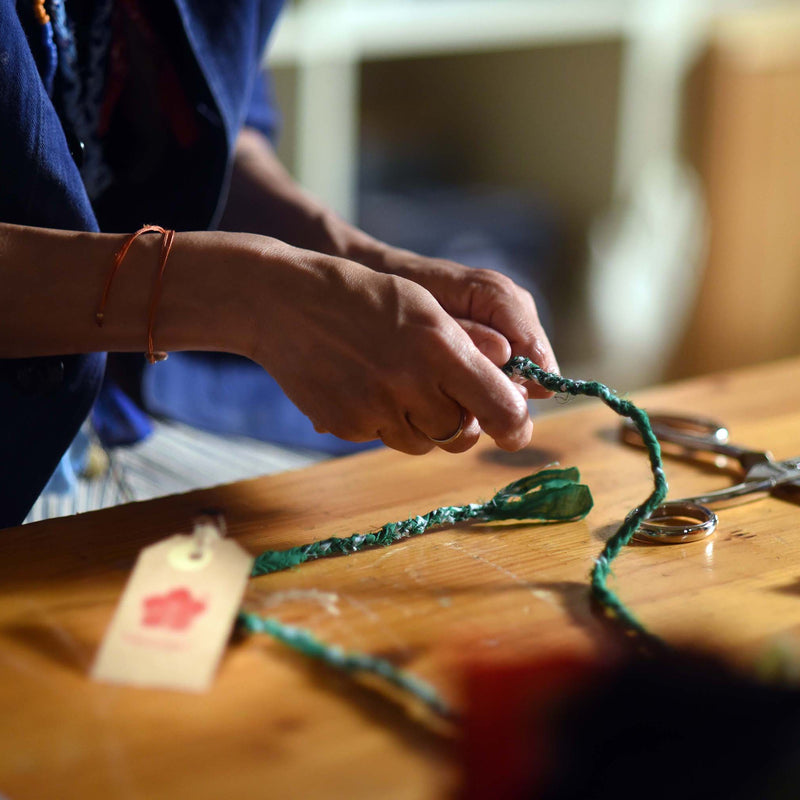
(499, 316)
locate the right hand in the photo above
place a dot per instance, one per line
(368, 355)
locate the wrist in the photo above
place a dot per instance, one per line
(336, 237)
(286, 292)
(208, 299)
(358, 246)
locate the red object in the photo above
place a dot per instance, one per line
(507, 747)
(173, 101)
(175, 610)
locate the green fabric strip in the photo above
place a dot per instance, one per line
(613, 606)
(552, 495)
(350, 662)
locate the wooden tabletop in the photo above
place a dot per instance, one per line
(276, 725)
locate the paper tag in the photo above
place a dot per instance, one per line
(176, 613)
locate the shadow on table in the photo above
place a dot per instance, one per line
(377, 703)
(533, 458)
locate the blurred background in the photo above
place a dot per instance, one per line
(636, 163)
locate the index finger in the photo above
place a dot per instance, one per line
(527, 338)
(498, 302)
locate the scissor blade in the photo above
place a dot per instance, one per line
(780, 472)
(787, 481)
(766, 477)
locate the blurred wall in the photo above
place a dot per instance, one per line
(540, 120)
(547, 118)
(743, 118)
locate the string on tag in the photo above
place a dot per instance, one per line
(207, 529)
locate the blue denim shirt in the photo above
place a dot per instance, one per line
(44, 401)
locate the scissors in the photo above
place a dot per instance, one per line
(696, 438)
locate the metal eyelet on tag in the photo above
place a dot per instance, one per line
(196, 553)
(187, 557)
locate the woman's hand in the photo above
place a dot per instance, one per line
(363, 353)
(499, 315)
(371, 355)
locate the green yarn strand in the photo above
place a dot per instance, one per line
(524, 368)
(552, 495)
(350, 662)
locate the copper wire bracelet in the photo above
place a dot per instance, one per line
(167, 238)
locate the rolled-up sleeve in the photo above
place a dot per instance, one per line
(263, 113)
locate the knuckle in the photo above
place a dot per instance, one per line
(434, 348)
(526, 297)
(513, 403)
(513, 416)
(495, 282)
(428, 314)
(520, 415)
(442, 337)
(515, 445)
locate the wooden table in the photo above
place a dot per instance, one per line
(275, 725)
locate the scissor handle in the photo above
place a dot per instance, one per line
(694, 435)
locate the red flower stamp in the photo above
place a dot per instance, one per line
(175, 610)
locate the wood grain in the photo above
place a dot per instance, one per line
(275, 725)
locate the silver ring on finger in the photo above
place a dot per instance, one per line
(453, 436)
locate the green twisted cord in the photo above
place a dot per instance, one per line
(349, 662)
(551, 495)
(613, 606)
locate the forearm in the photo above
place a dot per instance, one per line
(265, 199)
(387, 361)
(52, 282)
